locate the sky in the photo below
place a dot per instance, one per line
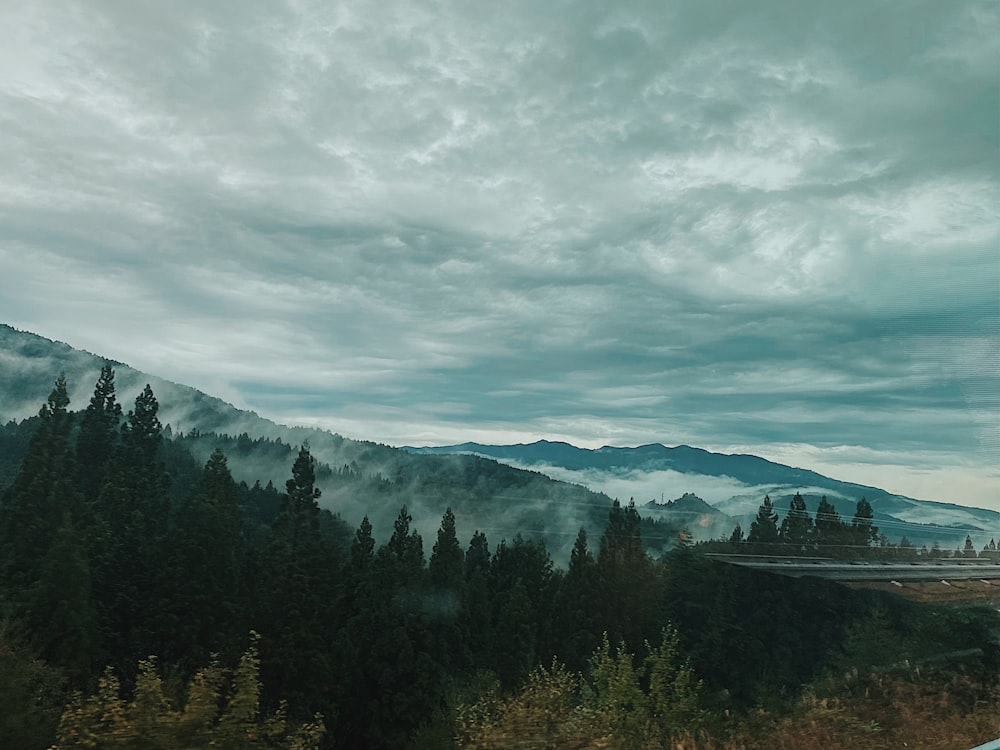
(764, 227)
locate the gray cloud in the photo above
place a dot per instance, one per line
(723, 224)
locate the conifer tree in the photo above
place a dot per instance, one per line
(795, 534)
(127, 535)
(831, 536)
(576, 610)
(625, 575)
(446, 570)
(41, 497)
(97, 439)
(362, 548)
(478, 602)
(764, 528)
(298, 521)
(863, 533)
(205, 561)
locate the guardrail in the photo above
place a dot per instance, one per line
(956, 569)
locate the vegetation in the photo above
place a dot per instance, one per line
(126, 567)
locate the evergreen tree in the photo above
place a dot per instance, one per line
(763, 534)
(206, 557)
(298, 595)
(362, 548)
(127, 535)
(478, 601)
(446, 576)
(831, 536)
(736, 538)
(795, 534)
(446, 570)
(61, 616)
(576, 610)
(969, 550)
(863, 532)
(626, 578)
(44, 581)
(298, 521)
(97, 439)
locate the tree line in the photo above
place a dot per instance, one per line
(115, 547)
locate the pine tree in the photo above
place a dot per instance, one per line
(736, 538)
(446, 570)
(576, 610)
(362, 548)
(298, 521)
(127, 533)
(61, 616)
(478, 601)
(763, 534)
(625, 574)
(831, 536)
(97, 439)
(969, 550)
(206, 557)
(446, 577)
(795, 534)
(41, 497)
(863, 532)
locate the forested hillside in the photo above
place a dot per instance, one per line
(150, 599)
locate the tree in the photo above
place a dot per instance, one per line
(478, 602)
(299, 592)
(577, 610)
(222, 710)
(298, 521)
(764, 528)
(446, 570)
(34, 506)
(736, 538)
(126, 533)
(205, 562)
(795, 534)
(446, 577)
(969, 550)
(362, 548)
(97, 439)
(831, 537)
(61, 616)
(625, 576)
(863, 532)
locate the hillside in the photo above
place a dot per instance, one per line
(514, 496)
(494, 498)
(922, 521)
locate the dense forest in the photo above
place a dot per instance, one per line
(148, 599)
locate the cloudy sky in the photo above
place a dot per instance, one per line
(769, 227)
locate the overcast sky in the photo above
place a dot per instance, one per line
(769, 227)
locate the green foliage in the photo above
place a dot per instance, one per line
(32, 694)
(832, 536)
(175, 558)
(616, 696)
(863, 533)
(795, 534)
(222, 710)
(763, 536)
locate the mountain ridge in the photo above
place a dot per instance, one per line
(751, 471)
(29, 363)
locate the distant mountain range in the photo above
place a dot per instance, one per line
(752, 477)
(503, 490)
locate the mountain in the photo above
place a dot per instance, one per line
(519, 494)
(702, 520)
(748, 479)
(357, 477)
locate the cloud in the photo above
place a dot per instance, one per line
(717, 223)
